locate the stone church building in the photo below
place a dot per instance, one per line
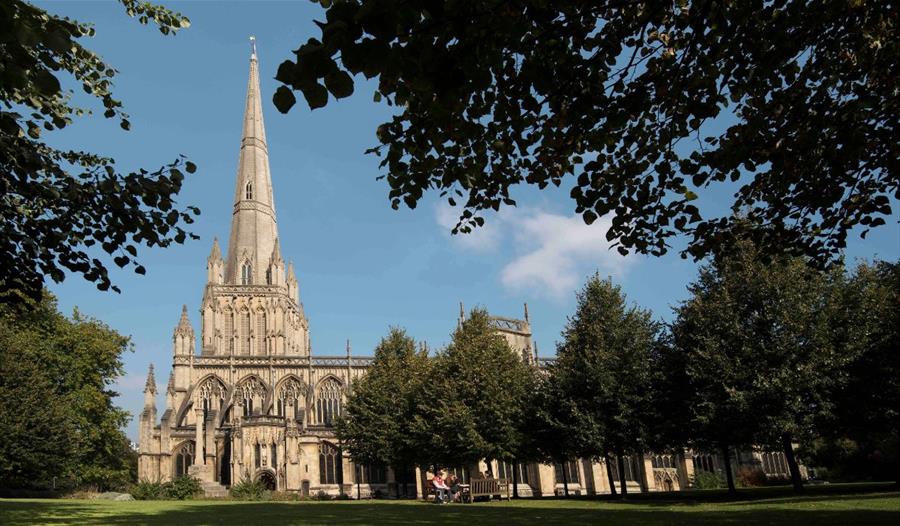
(253, 403)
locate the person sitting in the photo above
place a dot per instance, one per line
(440, 489)
(453, 484)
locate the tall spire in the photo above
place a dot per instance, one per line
(254, 229)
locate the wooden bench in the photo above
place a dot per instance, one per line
(488, 488)
(428, 489)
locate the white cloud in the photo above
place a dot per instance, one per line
(558, 252)
(553, 253)
(482, 239)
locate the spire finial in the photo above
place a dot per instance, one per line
(462, 311)
(348, 347)
(170, 388)
(252, 47)
(184, 321)
(526, 313)
(216, 253)
(150, 386)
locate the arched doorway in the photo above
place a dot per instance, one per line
(268, 479)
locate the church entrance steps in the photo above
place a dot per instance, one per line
(214, 489)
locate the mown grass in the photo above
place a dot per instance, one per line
(841, 506)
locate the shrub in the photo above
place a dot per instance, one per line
(289, 496)
(184, 487)
(707, 480)
(321, 495)
(250, 490)
(748, 477)
(146, 490)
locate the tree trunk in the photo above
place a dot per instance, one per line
(729, 476)
(624, 484)
(609, 475)
(515, 480)
(565, 479)
(788, 444)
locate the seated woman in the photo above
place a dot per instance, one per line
(440, 489)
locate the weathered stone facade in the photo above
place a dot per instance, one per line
(255, 404)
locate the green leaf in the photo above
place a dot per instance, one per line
(284, 99)
(316, 96)
(339, 83)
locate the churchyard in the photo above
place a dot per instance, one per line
(838, 504)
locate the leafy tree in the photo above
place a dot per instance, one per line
(56, 373)
(757, 350)
(640, 106)
(603, 368)
(861, 436)
(377, 425)
(56, 204)
(475, 400)
(556, 432)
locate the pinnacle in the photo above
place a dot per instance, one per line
(151, 381)
(276, 252)
(184, 321)
(216, 253)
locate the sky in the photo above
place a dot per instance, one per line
(362, 266)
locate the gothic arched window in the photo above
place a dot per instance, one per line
(330, 471)
(184, 458)
(571, 472)
(248, 191)
(246, 273)
(291, 395)
(252, 394)
(261, 333)
(328, 401)
(245, 332)
(210, 395)
(229, 331)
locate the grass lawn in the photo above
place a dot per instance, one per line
(845, 505)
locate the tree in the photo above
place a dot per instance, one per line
(640, 105)
(60, 421)
(603, 368)
(860, 437)
(475, 400)
(55, 205)
(758, 352)
(376, 426)
(556, 432)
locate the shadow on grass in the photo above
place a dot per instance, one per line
(559, 512)
(769, 494)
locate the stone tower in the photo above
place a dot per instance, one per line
(251, 305)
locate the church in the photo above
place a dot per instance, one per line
(254, 404)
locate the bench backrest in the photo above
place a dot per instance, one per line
(482, 487)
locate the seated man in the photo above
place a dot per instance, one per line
(440, 488)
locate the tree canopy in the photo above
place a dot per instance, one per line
(60, 208)
(377, 425)
(59, 420)
(639, 106)
(473, 406)
(604, 369)
(758, 351)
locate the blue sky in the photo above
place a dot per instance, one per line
(362, 266)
